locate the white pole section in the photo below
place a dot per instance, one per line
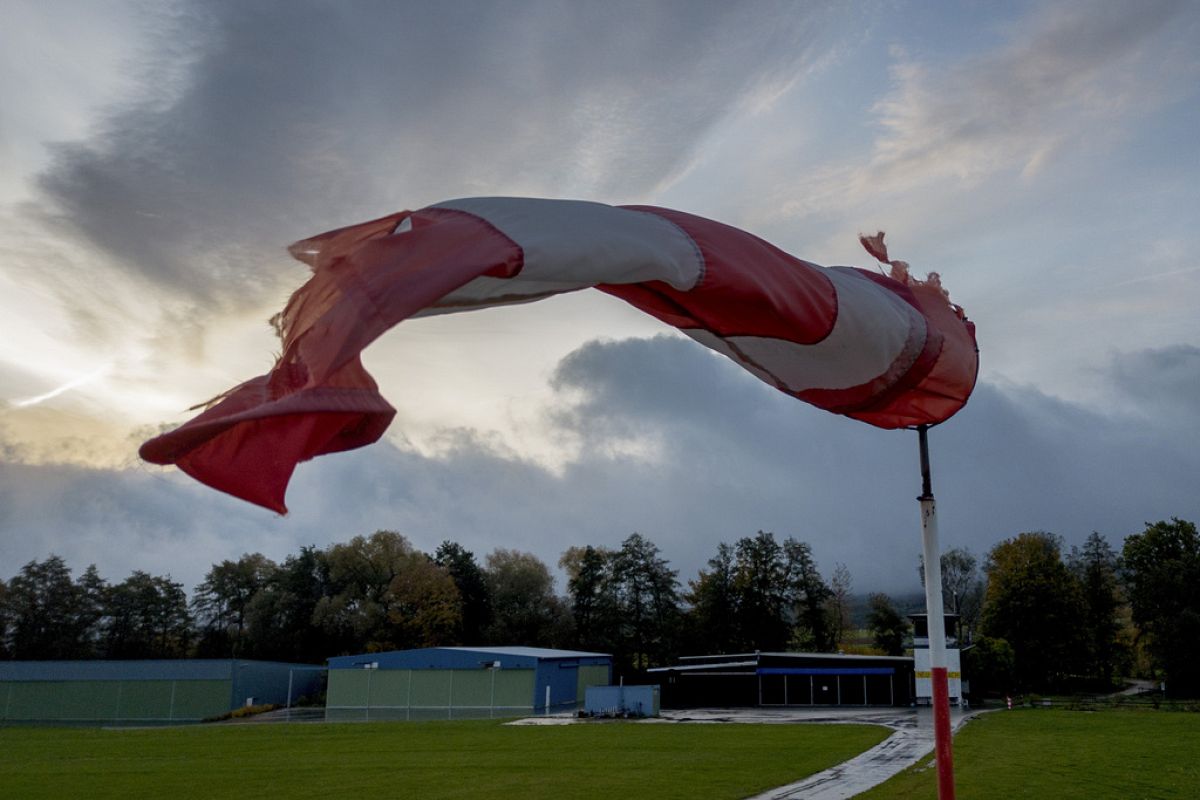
(936, 619)
(547, 700)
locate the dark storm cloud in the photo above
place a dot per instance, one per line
(1165, 382)
(282, 119)
(675, 443)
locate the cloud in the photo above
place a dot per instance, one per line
(1163, 382)
(284, 119)
(1069, 79)
(673, 442)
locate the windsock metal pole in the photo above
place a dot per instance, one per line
(937, 626)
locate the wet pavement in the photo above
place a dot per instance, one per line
(911, 740)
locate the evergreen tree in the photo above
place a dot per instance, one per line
(761, 584)
(592, 590)
(1095, 567)
(49, 616)
(475, 603)
(146, 616)
(647, 590)
(713, 599)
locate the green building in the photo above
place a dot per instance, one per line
(461, 683)
(148, 692)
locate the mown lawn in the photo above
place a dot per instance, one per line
(1044, 753)
(429, 761)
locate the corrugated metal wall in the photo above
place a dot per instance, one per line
(591, 675)
(113, 701)
(406, 694)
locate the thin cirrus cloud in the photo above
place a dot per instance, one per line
(1066, 79)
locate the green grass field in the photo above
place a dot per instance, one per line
(430, 760)
(1046, 753)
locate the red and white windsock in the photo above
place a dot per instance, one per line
(890, 351)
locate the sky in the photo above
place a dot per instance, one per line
(157, 157)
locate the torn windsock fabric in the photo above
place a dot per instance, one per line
(890, 351)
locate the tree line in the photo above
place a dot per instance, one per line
(1034, 617)
(379, 592)
(1030, 617)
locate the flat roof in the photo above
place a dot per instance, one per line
(698, 667)
(754, 659)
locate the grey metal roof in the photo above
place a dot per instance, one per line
(700, 667)
(846, 656)
(528, 652)
(753, 659)
(185, 669)
(152, 669)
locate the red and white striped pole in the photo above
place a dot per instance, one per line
(937, 626)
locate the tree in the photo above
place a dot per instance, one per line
(475, 604)
(92, 598)
(1162, 576)
(713, 599)
(49, 616)
(525, 610)
(990, 664)
(647, 591)
(1095, 567)
(425, 608)
(808, 596)
(1034, 603)
(280, 618)
(591, 588)
(761, 584)
(222, 599)
(5, 621)
(372, 606)
(962, 589)
(887, 627)
(837, 604)
(147, 617)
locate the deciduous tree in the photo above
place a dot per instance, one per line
(221, 600)
(888, 628)
(962, 589)
(1162, 576)
(808, 597)
(525, 610)
(1034, 603)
